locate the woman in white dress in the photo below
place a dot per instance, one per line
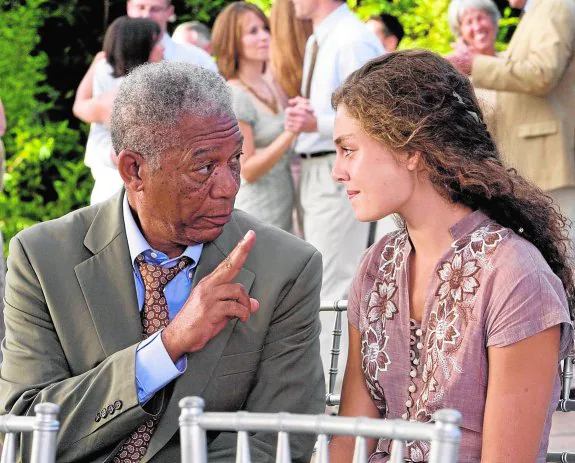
(128, 43)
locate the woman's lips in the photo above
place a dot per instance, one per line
(352, 193)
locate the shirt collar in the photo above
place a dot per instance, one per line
(468, 224)
(137, 244)
(330, 23)
(168, 44)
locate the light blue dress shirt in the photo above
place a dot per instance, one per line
(154, 368)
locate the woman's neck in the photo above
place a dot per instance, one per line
(428, 220)
(250, 71)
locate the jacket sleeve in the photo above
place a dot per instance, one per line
(290, 376)
(100, 405)
(541, 68)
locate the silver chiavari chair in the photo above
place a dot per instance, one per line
(44, 427)
(565, 405)
(338, 307)
(444, 434)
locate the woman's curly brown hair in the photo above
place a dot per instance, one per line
(415, 100)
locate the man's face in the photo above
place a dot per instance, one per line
(156, 10)
(305, 9)
(189, 198)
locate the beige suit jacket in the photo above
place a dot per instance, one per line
(536, 100)
(72, 328)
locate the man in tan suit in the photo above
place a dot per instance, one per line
(535, 79)
(84, 290)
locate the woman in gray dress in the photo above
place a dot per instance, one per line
(241, 42)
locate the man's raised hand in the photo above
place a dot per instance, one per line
(212, 303)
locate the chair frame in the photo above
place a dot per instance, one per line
(44, 428)
(444, 434)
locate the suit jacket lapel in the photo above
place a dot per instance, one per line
(107, 280)
(201, 364)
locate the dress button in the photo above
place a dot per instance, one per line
(405, 416)
(98, 417)
(413, 373)
(419, 345)
(118, 404)
(409, 403)
(154, 255)
(191, 274)
(415, 361)
(104, 412)
(110, 409)
(418, 332)
(411, 388)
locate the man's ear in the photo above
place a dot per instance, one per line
(130, 164)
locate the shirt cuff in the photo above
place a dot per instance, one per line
(154, 367)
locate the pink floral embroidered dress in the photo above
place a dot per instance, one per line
(491, 288)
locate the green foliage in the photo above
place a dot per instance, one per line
(202, 10)
(425, 22)
(45, 175)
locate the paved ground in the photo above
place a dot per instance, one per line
(562, 436)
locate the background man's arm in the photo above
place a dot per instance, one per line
(290, 374)
(541, 69)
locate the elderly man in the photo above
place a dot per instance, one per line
(194, 33)
(535, 80)
(117, 311)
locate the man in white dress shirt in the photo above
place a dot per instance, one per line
(160, 11)
(344, 44)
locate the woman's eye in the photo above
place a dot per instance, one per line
(346, 152)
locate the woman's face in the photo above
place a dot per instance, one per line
(157, 53)
(378, 181)
(478, 31)
(255, 38)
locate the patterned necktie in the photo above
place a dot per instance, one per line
(155, 316)
(314, 50)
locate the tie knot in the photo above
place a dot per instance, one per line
(156, 277)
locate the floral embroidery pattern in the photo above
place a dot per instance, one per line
(373, 352)
(448, 319)
(381, 307)
(454, 299)
(457, 278)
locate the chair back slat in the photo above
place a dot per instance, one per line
(283, 454)
(322, 452)
(9, 448)
(560, 457)
(338, 307)
(444, 434)
(567, 375)
(243, 449)
(360, 450)
(44, 427)
(397, 453)
(193, 440)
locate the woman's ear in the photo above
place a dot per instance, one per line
(129, 165)
(413, 160)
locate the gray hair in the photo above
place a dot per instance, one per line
(458, 7)
(203, 32)
(155, 97)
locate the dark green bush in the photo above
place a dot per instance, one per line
(45, 175)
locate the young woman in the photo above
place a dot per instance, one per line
(469, 305)
(128, 43)
(241, 43)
